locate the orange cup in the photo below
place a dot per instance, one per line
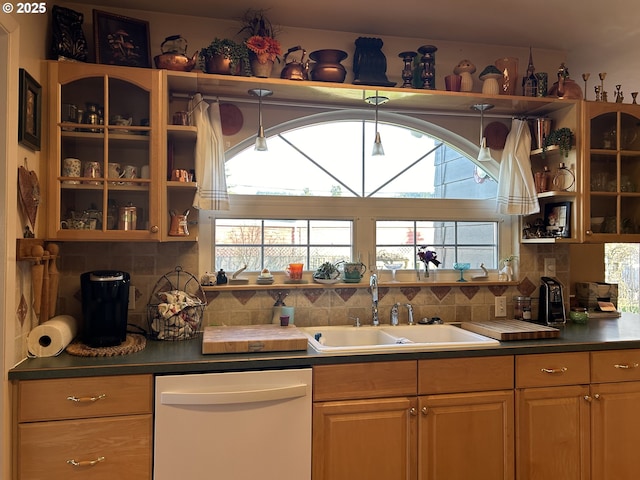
(294, 271)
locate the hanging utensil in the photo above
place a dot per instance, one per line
(29, 190)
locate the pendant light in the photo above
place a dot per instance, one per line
(484, 155)
(377, 143)
(261, 141)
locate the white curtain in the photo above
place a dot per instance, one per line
(516, 187)
(211, 193)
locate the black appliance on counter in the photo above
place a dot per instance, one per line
(105, 303)
(551, 311)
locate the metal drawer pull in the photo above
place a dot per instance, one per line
(413, 411)
(625, 366)
(554, 370)
(87, 399)
(85, 463)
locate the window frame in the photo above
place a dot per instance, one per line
(363, 212)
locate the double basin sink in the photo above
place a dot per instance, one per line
(387, 338)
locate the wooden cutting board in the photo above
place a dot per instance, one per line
(252, 338)
(511, 329)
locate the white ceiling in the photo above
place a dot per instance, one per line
(574, 26)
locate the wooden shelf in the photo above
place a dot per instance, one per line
(348, 95)
(301, 286)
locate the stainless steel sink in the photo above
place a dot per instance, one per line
(386, 338)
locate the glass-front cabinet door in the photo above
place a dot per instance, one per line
(104, 153)
(613, 161)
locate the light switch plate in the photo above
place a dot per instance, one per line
(550, 267)
(501, 306)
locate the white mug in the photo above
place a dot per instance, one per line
(144, 171)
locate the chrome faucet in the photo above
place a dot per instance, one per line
(394, 314)
(409, 313)
(373, 284)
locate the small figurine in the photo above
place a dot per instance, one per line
(465, 68)
(221, 278)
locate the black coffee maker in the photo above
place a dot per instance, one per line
(552, 311)
(105, 303)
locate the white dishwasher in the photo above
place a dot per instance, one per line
(233, 426)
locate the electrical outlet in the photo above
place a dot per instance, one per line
(550, 267)
(132, 297)
(501, 306)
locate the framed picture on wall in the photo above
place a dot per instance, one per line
(121, 40)
(557, 219)
(30, 111)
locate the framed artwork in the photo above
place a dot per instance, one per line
(557, 219)
(30, 113)
(121, 40)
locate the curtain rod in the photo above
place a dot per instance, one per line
(284, 103)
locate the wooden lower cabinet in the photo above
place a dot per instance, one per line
(435, 422)
(91, 428)
(553, 434)
(364, 439)
(466, 436)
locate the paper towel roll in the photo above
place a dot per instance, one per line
(52, 337)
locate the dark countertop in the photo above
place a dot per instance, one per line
(161, 357)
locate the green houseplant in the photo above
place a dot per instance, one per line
(225, 56)
(562, 137)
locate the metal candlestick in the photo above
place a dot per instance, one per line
(428, 62)
(407, 70)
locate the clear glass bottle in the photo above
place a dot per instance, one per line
(564, 179)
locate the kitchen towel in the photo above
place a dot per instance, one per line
(516, 188)
(211, 178)
(52, 337)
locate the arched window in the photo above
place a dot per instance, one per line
(318, 194)
(330, 155)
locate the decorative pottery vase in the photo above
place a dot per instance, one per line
(509, 68)
(327, 66)
(261, 69)
(221, 65)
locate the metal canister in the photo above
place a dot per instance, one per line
(127, 218)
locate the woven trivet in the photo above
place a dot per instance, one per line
(132, 344)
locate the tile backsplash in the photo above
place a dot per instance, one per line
(147, 262)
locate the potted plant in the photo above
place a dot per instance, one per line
(225, 57)
(562, 137)
(326, 273)
(261, 42)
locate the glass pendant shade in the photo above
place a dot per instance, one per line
(485, 153)
(377, 146)
(261, 141)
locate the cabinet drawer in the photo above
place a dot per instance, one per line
(454, 375)
(45, 449)
(52, 399)
(364, 380)
(615, 366)
(551, 369)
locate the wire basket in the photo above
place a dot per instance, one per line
(176, 306)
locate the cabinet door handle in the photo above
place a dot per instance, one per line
(87, 399)
(554, 370)
(588, 398)
(155, 229)
(413, 411)
(625, 366)
(424, 410)
(85, 463)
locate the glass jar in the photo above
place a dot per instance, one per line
(522, 308)
(579, 315)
